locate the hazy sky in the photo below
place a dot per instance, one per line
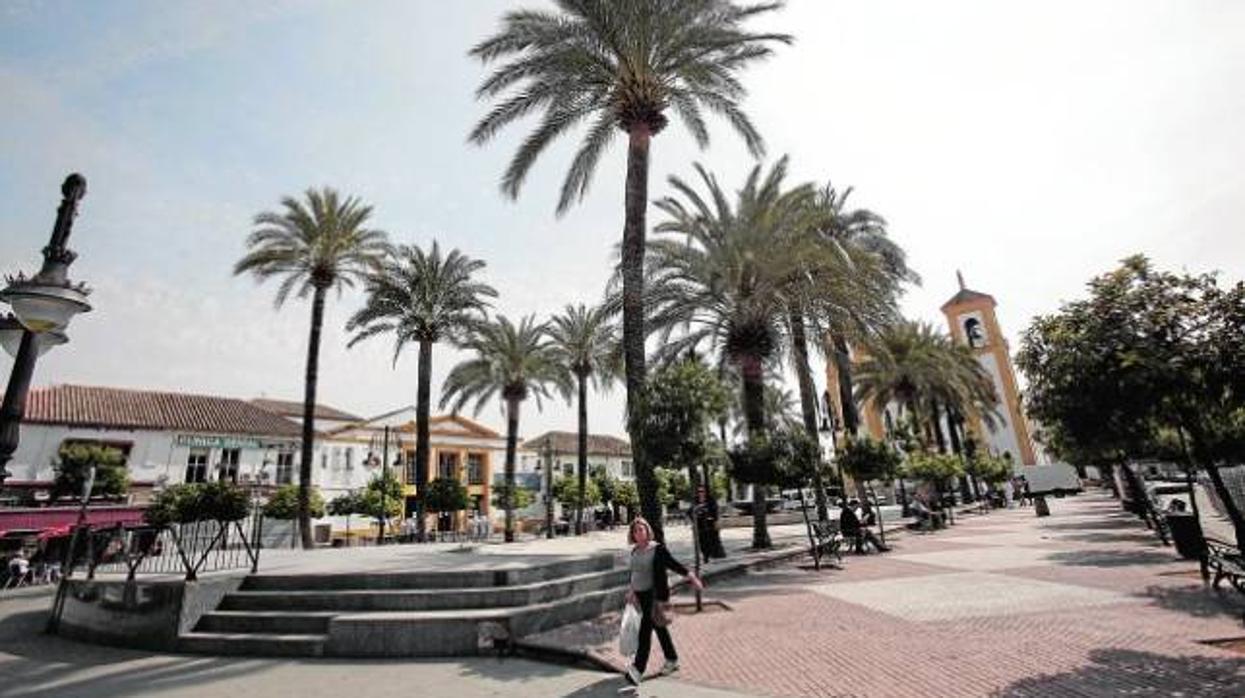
(1030, 145)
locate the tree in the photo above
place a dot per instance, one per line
(519, 497)
(513, 362)
(1148, 355)
(625, 495)
(425, 298)
(316, 245)
(285, 503)
(725, 275)
(928, 376)
(605, 483)
(621, 65)
(566, 491)
(220, 501)
(586, 341)
(870, 459)
(936, 469)
(447, 494)
(74, 463)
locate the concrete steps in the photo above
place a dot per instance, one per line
(407, 614)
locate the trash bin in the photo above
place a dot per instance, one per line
(1186, 533)
(1040, 505)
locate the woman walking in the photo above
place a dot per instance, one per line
(650, 592)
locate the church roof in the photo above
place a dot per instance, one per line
(966, 295)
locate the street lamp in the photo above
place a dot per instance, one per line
(42, 307)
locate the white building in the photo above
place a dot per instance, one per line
(610, 452)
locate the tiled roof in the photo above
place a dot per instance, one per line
(294, 408)
(119, 408)
(966, 296)
(568, 442)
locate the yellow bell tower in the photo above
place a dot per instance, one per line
(973, 323)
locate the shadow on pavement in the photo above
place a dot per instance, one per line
(1198, 601)
(1115, 672)
(1112, 558)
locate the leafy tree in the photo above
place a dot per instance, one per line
(285, 504)
(605, 484)
(447, 494)
(621, 66)
(513, 362)
(1148, 355)
(346, 504)
(988, 468)
(74, 464)
(315, 245)
(210, 501)
(566, 491)
(586, 341)
(870, 459)
(785, 459)
(387, 489)
(521, 498)
(425, 298)
(625, 495)
(936, 469)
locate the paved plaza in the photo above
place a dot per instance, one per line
(1084, 603)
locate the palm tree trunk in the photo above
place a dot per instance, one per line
(512, 442)
(935, 423)
(808, 403)
(423, 450)
(583, 453)
(633, 315)
(754, 416)
(843, 366)
(309, 418)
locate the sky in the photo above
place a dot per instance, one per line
(1030, 145)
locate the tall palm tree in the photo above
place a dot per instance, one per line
(513, 362)
(920, 369)
(316, 244)
(586, 341)
(423, 298)
(725, 275)
(620, 66)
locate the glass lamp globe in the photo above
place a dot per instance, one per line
(11, 332)
(45, 308)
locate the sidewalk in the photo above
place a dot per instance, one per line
(1083, 603)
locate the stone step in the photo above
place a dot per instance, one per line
(499, 573)
(253, 644)
(461, 631)
(358, 600)
(266, 622)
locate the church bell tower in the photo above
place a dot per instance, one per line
(970, 315)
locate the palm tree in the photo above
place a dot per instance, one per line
(586, 341)
(919, 368)
(621, 66)
(424, 298)
(513, 362)
(316, 244)
(725, 275)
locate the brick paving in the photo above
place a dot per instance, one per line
(1083, 603)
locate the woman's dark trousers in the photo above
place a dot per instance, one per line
(646, 634)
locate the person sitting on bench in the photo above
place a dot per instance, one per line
(853, 530)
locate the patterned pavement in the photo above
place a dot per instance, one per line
(1083, 603)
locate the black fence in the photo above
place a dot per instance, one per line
(188, 549)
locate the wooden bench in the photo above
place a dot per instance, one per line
(1227, 562)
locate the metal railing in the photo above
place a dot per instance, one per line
(188, 549)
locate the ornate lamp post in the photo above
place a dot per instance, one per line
(42, 308)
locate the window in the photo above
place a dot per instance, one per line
(475, 469)
(974, 333)
(627, 470)
(447, 465)
(197, 465)
(229, 459)
(324, 458)
(477, 502)
(285, 467)
(349, 459)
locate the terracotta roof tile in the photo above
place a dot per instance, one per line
(119, 408)
(294, 408)
(568, 442)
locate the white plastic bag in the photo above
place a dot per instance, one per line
(629, 632)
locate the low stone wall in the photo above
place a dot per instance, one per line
(141, 614)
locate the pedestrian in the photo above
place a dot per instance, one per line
(650, 594)
(1009, 493)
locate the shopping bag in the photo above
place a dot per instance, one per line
(629, 632)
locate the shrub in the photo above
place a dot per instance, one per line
(284, 503)
(566, 491)
(523, 497)
(187, 503)
(74, 461)
(446, 494)
(869, 459)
